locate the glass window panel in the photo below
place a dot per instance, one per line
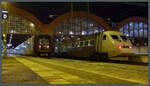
(145, 30)
(101, 29)
(136, 33)
(136, 29)
(141, 29)
(126, 26)
(19, 24)
(131, 33)
(145, 33)
(126, 30)
(131, 29)
(121, 30)
(96, 30)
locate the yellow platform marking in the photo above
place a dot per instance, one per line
(53, 76)
(96, 72)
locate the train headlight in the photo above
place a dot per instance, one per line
(47, 46)
(130, 47)
(40, 46)
(120, 46)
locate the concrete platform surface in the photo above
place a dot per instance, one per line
(14, 72)
(36, 70)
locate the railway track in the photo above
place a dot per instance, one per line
(110, 61)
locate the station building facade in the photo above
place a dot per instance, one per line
(76, 23)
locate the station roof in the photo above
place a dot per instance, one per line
(117, 11)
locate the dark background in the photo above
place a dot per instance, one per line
(114, 10)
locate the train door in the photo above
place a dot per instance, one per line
(105, 43)
(98, 43)
(102, 46)
(107, 47)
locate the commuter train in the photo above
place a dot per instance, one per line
(100, 46)
(40, 45)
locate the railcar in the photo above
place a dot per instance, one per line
(40, 45)
(100, 46)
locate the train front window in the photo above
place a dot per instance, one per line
(124, 38)
(44, 41)
(114, 37)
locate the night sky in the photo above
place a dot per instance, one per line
(116, 11)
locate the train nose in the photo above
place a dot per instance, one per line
(126, 50)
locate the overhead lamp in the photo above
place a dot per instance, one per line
(31, 24)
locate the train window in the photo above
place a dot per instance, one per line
(104, 37)
(73, 45)
(114, 36)
(86, 43)
(43, 41)
(124, 38)
(92, 42)
(81, 44)
(76, 44)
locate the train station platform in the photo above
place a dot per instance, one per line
(22, 72)
(14, 72)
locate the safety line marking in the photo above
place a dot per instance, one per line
(53, 76)
(99, 73)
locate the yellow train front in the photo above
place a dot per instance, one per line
(100, 46)
(116, 44)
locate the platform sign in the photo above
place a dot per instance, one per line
(4, 14)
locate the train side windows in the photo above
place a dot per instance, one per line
(104, 37)
(86, 43)
(76, 44)
(73, 45)
(92, 42)
(81, 44)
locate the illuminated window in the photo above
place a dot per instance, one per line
(86, 43)
(81, 44)
(92, 42)
(78, 26)
(20, 24)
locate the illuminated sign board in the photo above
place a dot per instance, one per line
(4, 14)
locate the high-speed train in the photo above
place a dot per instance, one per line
(100, 46)
(40, 45)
